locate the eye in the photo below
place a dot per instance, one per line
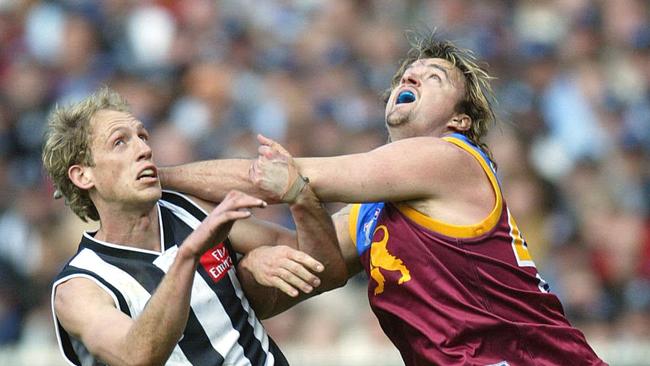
(434, 76)
(144, 137)
(118, 142)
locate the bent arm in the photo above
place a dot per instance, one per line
(315, 236)
(88, 313)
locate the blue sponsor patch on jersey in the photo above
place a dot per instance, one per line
(366, 223)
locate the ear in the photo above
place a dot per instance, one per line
(460, 123)
(81, 176)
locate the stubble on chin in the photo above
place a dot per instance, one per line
(395, 118)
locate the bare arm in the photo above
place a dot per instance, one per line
(210, 180)
(278, 257)
(276, 254)
(348, 249)
(287, 269)
(415, 168)
(88, 313)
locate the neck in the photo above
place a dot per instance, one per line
(396, 134)
(138, 229)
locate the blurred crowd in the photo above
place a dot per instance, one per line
(572, 145)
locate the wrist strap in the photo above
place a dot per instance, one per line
(296, 187)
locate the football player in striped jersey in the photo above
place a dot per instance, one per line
(157, 283)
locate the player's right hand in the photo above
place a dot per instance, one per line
(216, 226)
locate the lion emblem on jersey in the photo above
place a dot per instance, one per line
(380, 258)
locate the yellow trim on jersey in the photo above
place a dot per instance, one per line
(461, 231)
(353, 219)
(519, 247)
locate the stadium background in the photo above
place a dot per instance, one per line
(573, 81)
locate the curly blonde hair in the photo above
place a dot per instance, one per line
(67, 143)
(479, 97)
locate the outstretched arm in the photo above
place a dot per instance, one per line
(409, 169)
(414, 168)
(210, 180)
(89, 313)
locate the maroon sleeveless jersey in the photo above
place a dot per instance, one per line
(462, 295)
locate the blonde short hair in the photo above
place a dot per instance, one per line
(67, 142)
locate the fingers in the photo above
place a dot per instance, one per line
(294, 277)
(272, 153)
(235, 206)
(236, 201)
(217, 225)
(295, 282)
(289, 270)
(296, 270)
(263, 140)
(272, 145)
(265, 151)
(305, 260)
(300, 276)
(283, 286)
(235, 215)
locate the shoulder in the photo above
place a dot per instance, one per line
(178, 198)
(423, 142)
(345, 223)
(435, 149)
(435, 159)
(81, 277)
(79, 288)
(178, 201)
(73, 297)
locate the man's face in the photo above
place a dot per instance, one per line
(124, 172)
(425, 99)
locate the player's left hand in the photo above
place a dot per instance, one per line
(285, 268)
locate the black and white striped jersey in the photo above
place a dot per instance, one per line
(222, 329)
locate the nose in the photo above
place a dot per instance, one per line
(144, 151)
(409, 79)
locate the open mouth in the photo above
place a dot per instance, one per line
(148, 173)
(405, 96)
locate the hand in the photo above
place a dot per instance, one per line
(283, 267)
(216, 226)
(275, 172)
